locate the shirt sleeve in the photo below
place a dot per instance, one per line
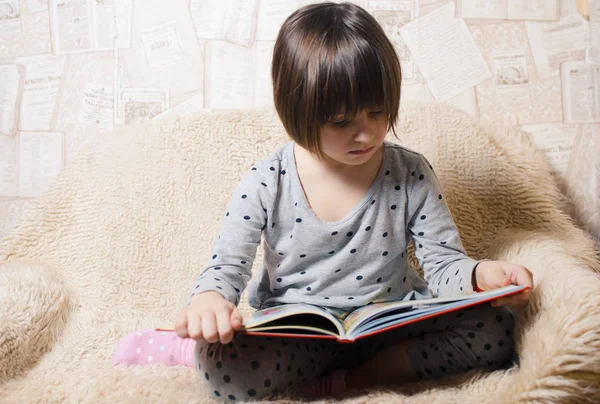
(446, 267)
(233, 253)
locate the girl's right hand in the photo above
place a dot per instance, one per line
(209, 317)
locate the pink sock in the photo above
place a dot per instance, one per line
(147, 347)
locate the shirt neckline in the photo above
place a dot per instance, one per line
(302, 201)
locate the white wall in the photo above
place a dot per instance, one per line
(65, 79)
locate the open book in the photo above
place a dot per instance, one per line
(309, 321)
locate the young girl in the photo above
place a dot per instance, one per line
(337, 208)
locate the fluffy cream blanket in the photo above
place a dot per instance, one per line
(116, 242)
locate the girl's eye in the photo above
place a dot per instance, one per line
(340, 123)
(375, 113)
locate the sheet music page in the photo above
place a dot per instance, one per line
(594, 32)
(239, 26)
(271, 15)
(263, 87)
(540, 10)
(31, 38)
(10, 16)
(82, 72)
(466, 102)
(487, 9)
(188, 107)
(103, 17)
(42, 81)
(35, 6)
(41, 159)
(555, 140)
(511, 76)
(208, 17)
(71, 26)
(445, 52)
(123, 9)
(97, 106)
(11, 87)
(581, 92)
(165, 51)
(553, 43)
(427, 6)
(392, 15)
(141, 104)
(9, 166)
(583, 178)
(229, 76)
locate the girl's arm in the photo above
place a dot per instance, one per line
(447, 268)
(230, 264)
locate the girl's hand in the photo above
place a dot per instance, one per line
(497, 274)
(209, 317)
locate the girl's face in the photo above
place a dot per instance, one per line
(353, 141)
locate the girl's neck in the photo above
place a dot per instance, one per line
(310, 162)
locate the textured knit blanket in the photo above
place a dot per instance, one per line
(115, 244)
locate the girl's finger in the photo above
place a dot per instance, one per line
(181, 325)
(236, 319)
(209, 328)
(194, 326)
(224, 326)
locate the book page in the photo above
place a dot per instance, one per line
(165, 51)
(392, 15)
(229, 76)
(583, 178)
(593, 36)
(541, 10)
(265, 316)
(71, 26)
(263, 87)
(41, 159)
(208, 17)
(488, 9)
(191, 106)
(555, 140)
(84, 74)
(42, 81)
(11, 87)
(35, 6)
(383, 315)
(556, 42)
(9, 167)
(27, 34)
(271, 15)
(515, 95)
(136, 105)
(239, 26)
(466, 102)
(10, 16)
(581, 92)
(511, 76)
(122, 11)
(97, 106)
(103, 17)
(445, 53)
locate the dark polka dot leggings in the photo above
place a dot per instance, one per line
(253, 367)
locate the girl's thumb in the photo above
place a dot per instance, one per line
(236, 318)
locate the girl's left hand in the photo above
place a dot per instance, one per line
(497, 274)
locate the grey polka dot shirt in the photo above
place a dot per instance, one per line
(351, 262)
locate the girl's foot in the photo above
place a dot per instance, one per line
(147, 347)
(332, 385)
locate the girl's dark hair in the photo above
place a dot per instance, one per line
(329, 56)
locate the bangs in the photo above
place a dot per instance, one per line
(351, 79)
(330, 59)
